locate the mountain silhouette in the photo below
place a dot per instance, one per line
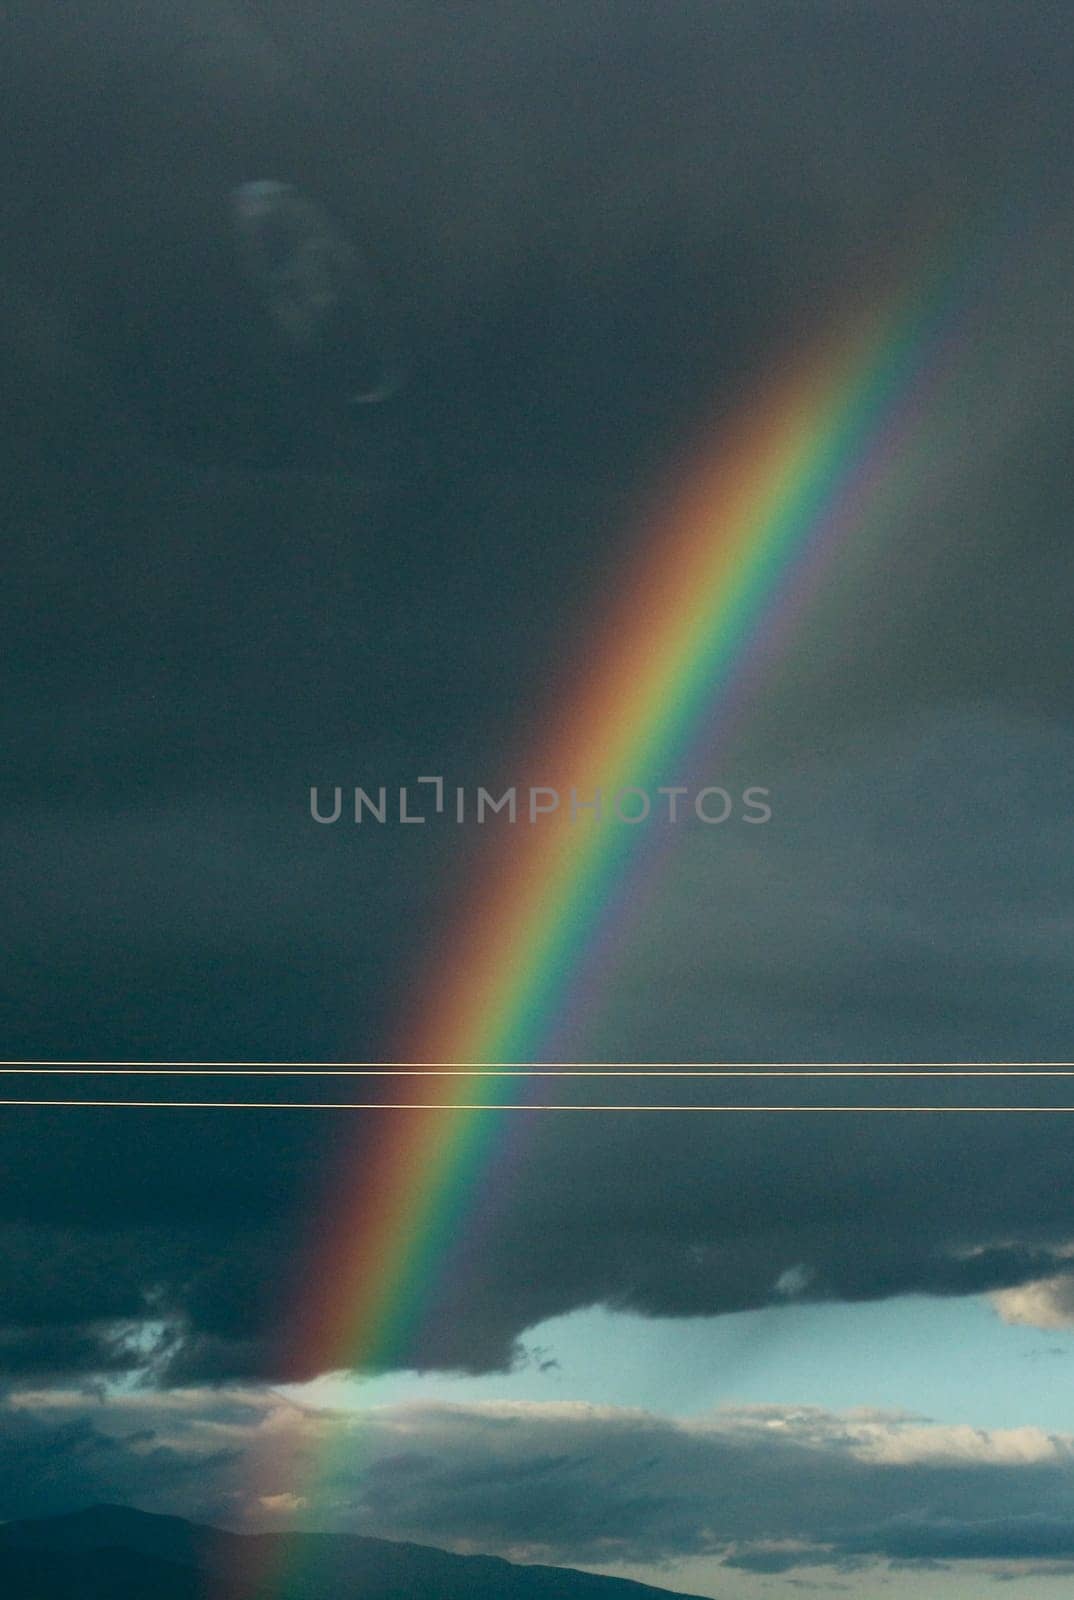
(117, 1553)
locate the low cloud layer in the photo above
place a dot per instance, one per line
(760, 1489)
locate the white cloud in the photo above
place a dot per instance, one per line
(282, 1504)
(1047, 1303)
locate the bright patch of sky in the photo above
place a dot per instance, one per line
(950, 1359)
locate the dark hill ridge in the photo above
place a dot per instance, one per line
(115, 1553)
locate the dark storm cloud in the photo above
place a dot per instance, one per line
(593, 233)
(182, 1244)
(225, 587)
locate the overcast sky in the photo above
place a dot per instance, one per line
(736, 1355)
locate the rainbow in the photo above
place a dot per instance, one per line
(815, 456)
(725, 568)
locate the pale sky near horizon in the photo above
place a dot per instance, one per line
(952, 1359)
